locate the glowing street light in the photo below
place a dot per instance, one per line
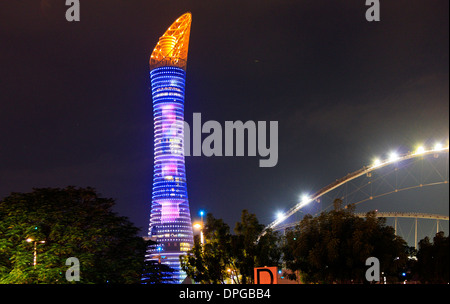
(159, 249)
(438, 146)
(280, 215)
(393, 156)
(420, 150)
(200, 226)
(305, 197)
(29, 240)
(376, 162)
(231, 274)
(201, 212)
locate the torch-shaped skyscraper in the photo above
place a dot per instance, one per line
(170, 220)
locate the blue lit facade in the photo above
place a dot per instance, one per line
(170, 220)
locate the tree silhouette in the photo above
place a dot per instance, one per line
(70, 222)
(334, 246)
(433, 260)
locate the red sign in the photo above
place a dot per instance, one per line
(266, 275)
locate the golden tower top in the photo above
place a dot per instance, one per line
(172, 47)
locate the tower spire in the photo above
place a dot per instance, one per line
(172, 47)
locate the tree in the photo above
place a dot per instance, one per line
(433, 260)
(334, 246)
(63, 223)
(224, 255)
(208, 263)
(248, 252)
(154, 272)
(157, 273)
(247, 232)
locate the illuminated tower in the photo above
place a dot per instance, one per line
(170, 219)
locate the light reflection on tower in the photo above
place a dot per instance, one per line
(170, 220)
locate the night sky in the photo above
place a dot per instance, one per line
(76, 107)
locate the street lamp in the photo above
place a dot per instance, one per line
(200, 226)
(29, 240)
(232, 276)
(159, 249)
(202, 212)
